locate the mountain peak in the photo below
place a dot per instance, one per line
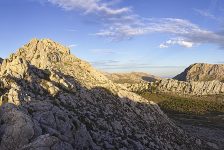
(53, 99)
(202, 72)
(46, 45)
(42, 53)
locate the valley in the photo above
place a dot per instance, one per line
(111, 75)
(199, 115)
(50, 97)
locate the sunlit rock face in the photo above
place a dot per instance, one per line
(202, 72)
(51, 99)
(176, 87)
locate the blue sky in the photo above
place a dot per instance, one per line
(160, 37)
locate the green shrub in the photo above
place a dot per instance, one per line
(188, 105)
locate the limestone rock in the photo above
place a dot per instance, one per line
(53, 100)
(16, 127)
(47, 142)
(178, 87)
(15, 66)
(202, 72)
(133, 77)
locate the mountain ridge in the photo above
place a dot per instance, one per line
(131, 77)
(52, 99)
(202, 72)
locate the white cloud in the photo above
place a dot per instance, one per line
(189, 33)
(103, 51)
(179, 41)
(205, 13)
(120, 23)
(115, 64)
(72, 46)
(71, 30)
(163, 46)
(89, 6)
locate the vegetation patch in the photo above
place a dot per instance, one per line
(188, 105)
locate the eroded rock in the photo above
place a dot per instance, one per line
(53, 100)
(202, 72)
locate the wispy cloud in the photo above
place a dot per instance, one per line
(178, 41)
(205, 13)
(189, 33)
(71, 30)
(116, 65)
(90, 6)
(106, 63)
(121, 23)
(103, 51)
(72, 45)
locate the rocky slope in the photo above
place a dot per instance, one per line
(202, 72)
(51, 100)
(132, 77)
(1, 60)
(178, 87)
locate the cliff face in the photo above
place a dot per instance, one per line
(179, 87)
(50, 99)
(202, 72)
(191, 88)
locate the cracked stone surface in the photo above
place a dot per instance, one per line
(52, 100)
(199, 88)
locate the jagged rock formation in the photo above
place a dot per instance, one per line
(133, 77)
(202, 72)
(191, 88)
(178, 87)
(1, 60)
(52, 100)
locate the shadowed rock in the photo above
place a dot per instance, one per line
(1, 60)
(53, 100)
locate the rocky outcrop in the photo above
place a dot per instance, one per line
(202, 72)
(52, 100)
(191, 88)
(133, 77)
(1, 60)
(178, 87)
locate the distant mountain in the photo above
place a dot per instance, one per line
(176, 87)
(132, 77)
(202, 72)
(51, 99)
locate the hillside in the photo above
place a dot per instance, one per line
(202, 72)
(132, 77)
(51, 99)
(178, 87)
